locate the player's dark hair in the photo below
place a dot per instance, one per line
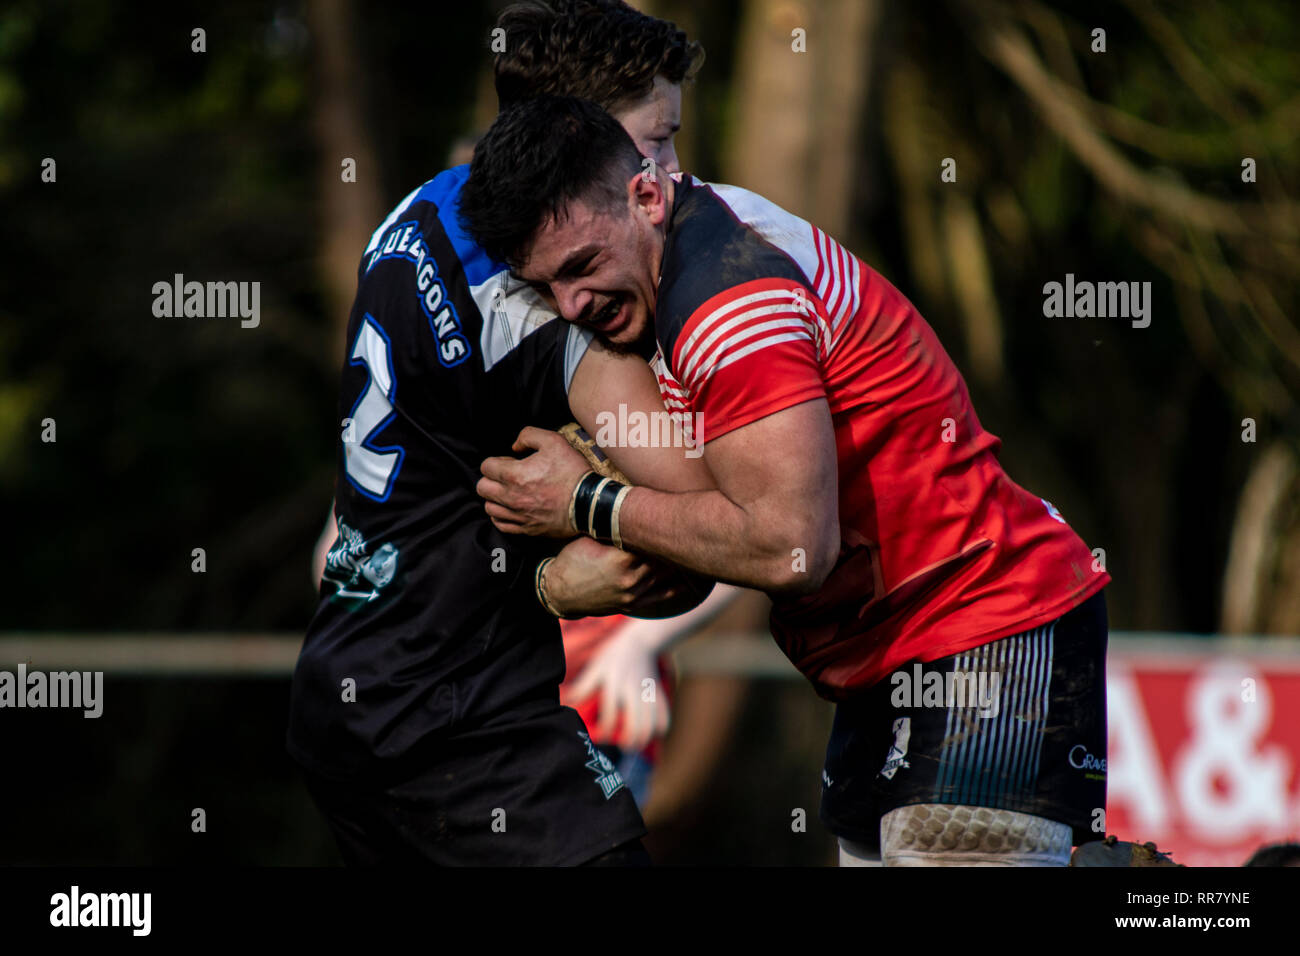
(536, 158)
(1279, 854)
(599, 50)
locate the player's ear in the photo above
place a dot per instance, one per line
(647, 193)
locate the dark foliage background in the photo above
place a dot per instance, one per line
(176, 434)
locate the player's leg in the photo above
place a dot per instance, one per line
(526, 788)
(363, 833)
(1016, 775)
(1014, 779)
(859, 742)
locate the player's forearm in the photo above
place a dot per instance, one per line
(708, 533)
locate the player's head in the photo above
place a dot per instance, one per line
(1277, 854)
(632, 64)
(558, 190)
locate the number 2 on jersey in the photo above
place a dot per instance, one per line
(371, 469)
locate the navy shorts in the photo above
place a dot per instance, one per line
(1017, 724)
(526, 788)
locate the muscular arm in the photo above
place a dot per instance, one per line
(588, 578)
(771, 520)
(777, 492)
(768, 505)
(603, 381)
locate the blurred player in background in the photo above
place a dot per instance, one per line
(856, 487)
(610, 659)
(425, 709)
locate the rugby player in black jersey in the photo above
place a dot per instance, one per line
(424, 707)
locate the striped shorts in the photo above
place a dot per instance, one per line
(1016, 724)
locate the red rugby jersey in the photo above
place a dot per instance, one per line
(758, 311)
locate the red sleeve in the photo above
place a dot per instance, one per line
(750, 352)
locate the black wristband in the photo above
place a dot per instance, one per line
(583, 496)
(602, 512)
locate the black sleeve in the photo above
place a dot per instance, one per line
(537, 374)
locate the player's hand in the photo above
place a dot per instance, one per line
(619, 672)
(590, 579)
(531, 495)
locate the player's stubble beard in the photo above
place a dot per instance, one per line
(645, 344)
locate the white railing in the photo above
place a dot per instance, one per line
(273, 655)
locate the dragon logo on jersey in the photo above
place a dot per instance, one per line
(358, 573)
(894, 759)
(609, 779)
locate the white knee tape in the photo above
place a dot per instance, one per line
(936, 834)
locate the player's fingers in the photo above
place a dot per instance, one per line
(499, 469)
(639, 722)
(508, 527)
(500, 512)
(491, 490)
(533, 438)
(642, 726)
(656, 717)
(635, 576)
(586, 683)
(627, 731)
(608, 719)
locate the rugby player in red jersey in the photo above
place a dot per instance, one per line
(953, 616)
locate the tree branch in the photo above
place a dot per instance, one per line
(1008, 50)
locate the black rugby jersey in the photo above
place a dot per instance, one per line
(427, 619)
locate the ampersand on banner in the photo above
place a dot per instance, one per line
(1227, 783)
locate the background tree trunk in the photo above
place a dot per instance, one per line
(349, 210)
(1254, 598)
(798, 115)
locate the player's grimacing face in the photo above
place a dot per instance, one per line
(600, 266)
